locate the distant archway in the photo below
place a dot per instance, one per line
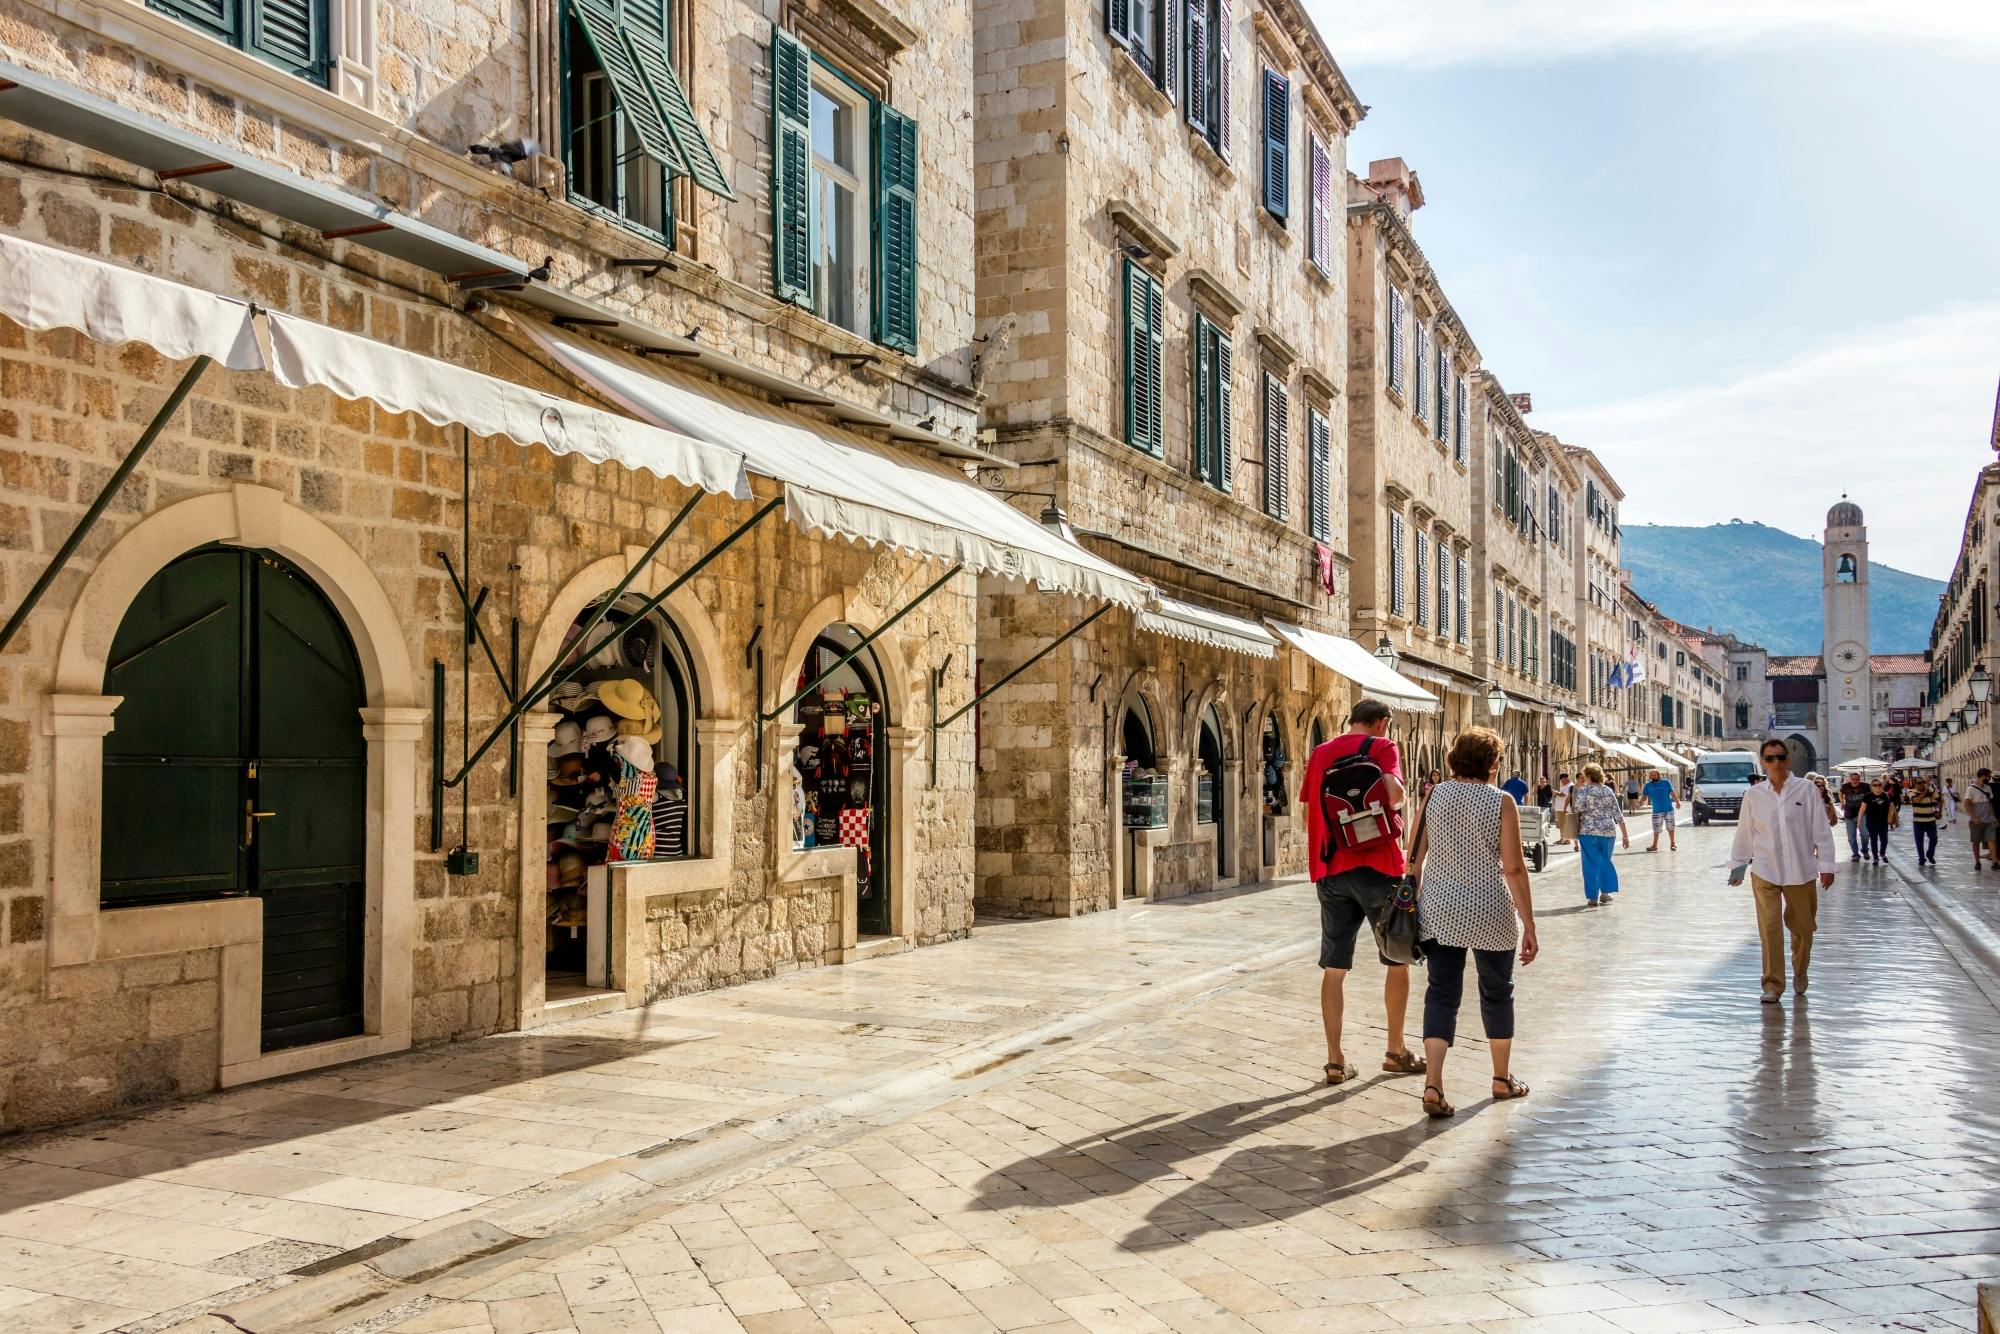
(1805, 759)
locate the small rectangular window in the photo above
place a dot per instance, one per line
(1145, 340)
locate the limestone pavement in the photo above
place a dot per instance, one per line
(1104, 1124)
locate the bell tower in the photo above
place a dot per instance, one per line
(1849, 721)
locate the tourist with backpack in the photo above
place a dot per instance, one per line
(1353, 798)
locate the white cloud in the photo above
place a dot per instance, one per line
(1453, 32)
(1897, 416)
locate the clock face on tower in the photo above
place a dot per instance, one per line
(1848, 655)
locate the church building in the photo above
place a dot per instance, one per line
(1839, 704)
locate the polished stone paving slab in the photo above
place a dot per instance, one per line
(1689, 1159)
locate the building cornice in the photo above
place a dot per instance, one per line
(1403, 244)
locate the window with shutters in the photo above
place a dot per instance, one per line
(1461, 624)
(1213, 418)
(1513, 636)
(1319, 505)
(1423, 360)
(843, 198)
(1398, 374)
(1423, 580)
(1147, 30)
(291, 34)
(1499, 629)
(1443, 587)
(628, 129)
(1207, 59)
(1277, 449)
(1498, 444)
(1441, 387)
(1277, 100)
(1398, 596)
(1462, 411)
(1319, 221)
(1145, 341)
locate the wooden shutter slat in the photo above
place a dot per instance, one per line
(1225, 407)
(291, 34)
(698, 158)
(896, 229)
(1196, 55)
(1225, 75)
(1277, 144)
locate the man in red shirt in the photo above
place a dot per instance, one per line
(1353, 887)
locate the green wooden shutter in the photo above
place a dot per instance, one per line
(1225, 408)
(218, 18)
(1277, 144)
(291, 34)
(1204, 376)
(791, 168)
(628, 83)
(895, 229)
(1145, 314)
(1118, 21)
(697, 158)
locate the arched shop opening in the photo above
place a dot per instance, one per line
(621, 768)
(840, 787)
(238, 769)
(1209, 787)
(1317, 737)
(1142, 788)
(1277, 801)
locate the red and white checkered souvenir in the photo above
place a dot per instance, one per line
(854, 827)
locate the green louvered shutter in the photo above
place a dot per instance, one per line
(1225, 407)
(696, 157)
(291, 34)
(1277, 145)
(791, 168)
(628, 83)
(895, 230)
(218, 18)
(1204, 375)
(1138, 349)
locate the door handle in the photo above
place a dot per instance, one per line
(251, 815)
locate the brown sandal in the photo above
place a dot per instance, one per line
(1404, 1063)
(1515, 1088)
(1439, 1110)
(1339, 1074)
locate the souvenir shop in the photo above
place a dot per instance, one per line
(839, 791)
(618, 773)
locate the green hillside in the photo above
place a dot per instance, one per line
(1762, 585)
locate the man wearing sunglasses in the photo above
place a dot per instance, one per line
(1783, 839)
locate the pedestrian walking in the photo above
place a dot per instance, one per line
(1782, 837)
(1951, 801)
(1545, 794)
(1632, 792)
(1853, 793)
(1515, 786)
(1660, 793)
(1925, 808)
(1876, 809)
(1979, 819)
(1560, 804)
(1355, 881)
(1826, 795)
(1474, 896)
(1597, 819)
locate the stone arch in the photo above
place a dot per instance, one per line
(1142, 687)
(79, 716)
(890, 658)
(719, 687)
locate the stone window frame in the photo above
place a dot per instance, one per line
(77, 717)
(351, 75)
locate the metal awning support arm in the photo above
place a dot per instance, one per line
(855, 652)
(555, 676)
(1039, 654)
(472, 607)
(105, 497)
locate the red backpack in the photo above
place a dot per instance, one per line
(1354, 803)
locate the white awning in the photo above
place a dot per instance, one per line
(1631, 752)
(353, 367)
(1343, 657)
(1591, 738)
(843, 484)
(1666, 758)
(45, 288)
(1199, 625)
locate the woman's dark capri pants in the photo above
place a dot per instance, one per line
(1446, 988)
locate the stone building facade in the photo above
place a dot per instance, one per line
(1964, 734)
(1163, 307)
(1409, 475)
(342, 189)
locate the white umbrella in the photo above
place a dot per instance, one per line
(1861, 766)
(1914, 763)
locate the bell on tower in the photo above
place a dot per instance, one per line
(1845, 572)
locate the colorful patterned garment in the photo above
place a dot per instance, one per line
(1597, 812)
(632, 831)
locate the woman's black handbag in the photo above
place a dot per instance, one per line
(1396, 929)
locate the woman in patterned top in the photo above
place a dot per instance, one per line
(1598, 817)
(1474, 887)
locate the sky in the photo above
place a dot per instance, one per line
(1746, 250)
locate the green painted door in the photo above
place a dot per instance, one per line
(237, 767)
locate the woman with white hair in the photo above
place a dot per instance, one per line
(1598, 817)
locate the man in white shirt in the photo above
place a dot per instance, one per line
(1783, 836)
(1559, 806)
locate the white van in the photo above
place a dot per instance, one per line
(1721, 777)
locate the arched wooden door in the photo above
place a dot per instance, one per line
(237, 767)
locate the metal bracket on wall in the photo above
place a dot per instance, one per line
(939, 724)
(753, 658)
(773, 715)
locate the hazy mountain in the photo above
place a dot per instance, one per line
(1762, 585)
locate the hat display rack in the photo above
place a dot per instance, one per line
(609, 800)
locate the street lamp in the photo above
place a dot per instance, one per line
(1971, 713)
(1562, 720)
(1953, 721)
(1981, 683)
(1496, 700)
(1385, 653)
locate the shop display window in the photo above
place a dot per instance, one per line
(1142, 788)
(1277, 799)
(838, 787)
(620, 767)
(1208, 781)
